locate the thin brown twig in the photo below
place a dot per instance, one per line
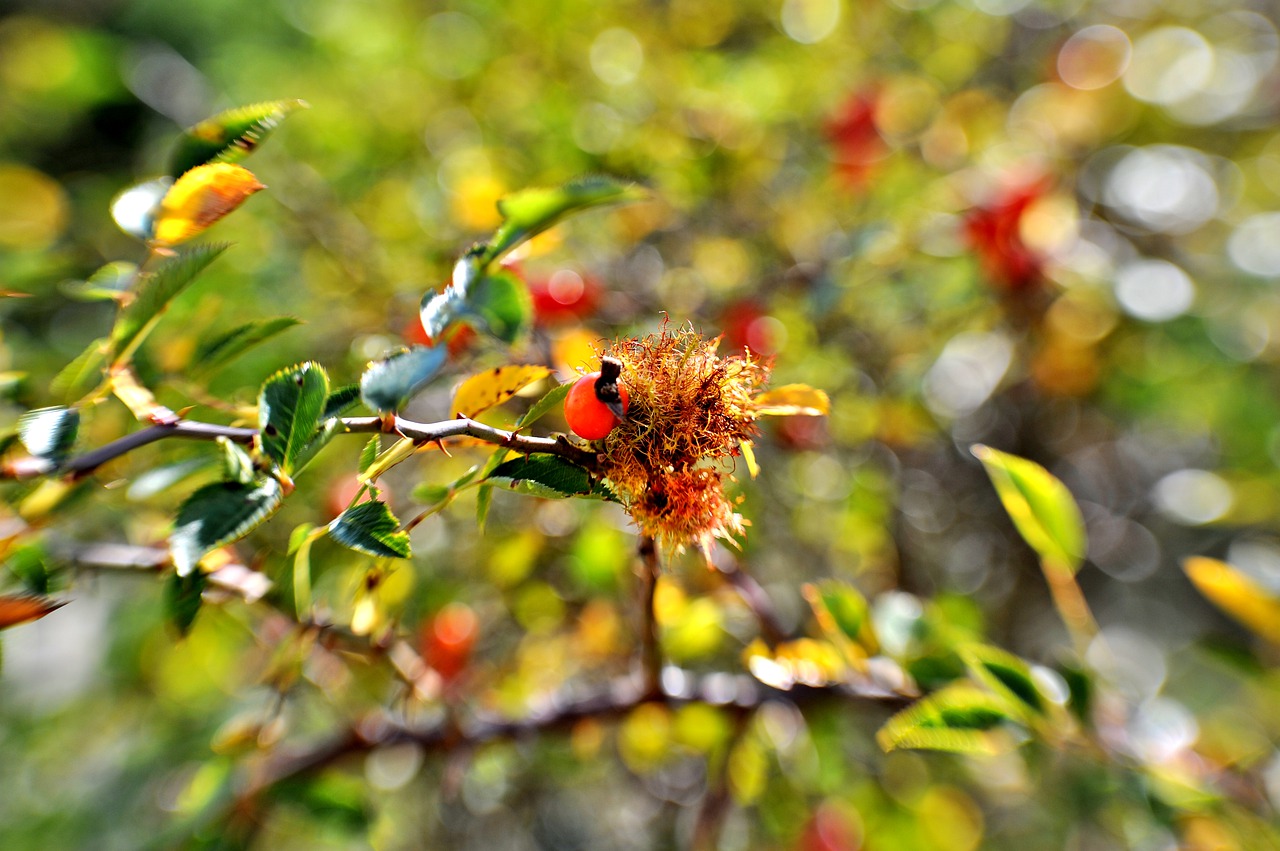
(422, 433)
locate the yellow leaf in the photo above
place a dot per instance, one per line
(792, 400)
(481, 392)
(1237, 595)
(200, 198)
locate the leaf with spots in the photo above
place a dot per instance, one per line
(492, 387)
(230, 136)
(289, 408)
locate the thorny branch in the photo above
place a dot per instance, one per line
(422, 433)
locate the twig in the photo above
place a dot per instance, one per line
(650, 636)
(86, 464)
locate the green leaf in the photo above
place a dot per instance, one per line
(341, 400)
(960, 718)
(1041, 507)
(49, 432)
(106, 284)
(371, 528)
(30, 564)
(387, 383)
(484, 499)
(182, 598)
(159, 479)
(552, 400)
(155, 291)
(237, 466)
(85, 370)
(429, 493)
(501, 303)
(845, 604)
(231, 344)
(289, 408)
(329, 429)
(230, 136)
(370, 452)
(529, 212)
(217, 514)
(546, 476)
(1005, 674)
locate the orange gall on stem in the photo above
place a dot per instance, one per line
(597, 402)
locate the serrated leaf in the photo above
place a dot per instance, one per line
(106, 284)
(217, 514)
(134, 209)
(371, 528)
(1040, 506)
(49, 432)
(231, 344)
(529, 212)
(237, 466)
(552, 400)
(546, 476)
(340, 400)
(85, 370)
(183, 595)
(960, 718)
(153, 295)
(388, 383)
(329, 429)
(792, 400)
(492, 387)
(230, 136)
(1236, 594)
(18, 609)
(199, 199)
(502, 304)
(370, 452)
(1004, 673)
(289, 408)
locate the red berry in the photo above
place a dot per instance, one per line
(588, 416)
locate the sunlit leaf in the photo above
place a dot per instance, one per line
(839, 608)
(1004, 673)
(1041, 507)
(30, 564)
(22, 608)
(216, 515)
(159, 479)
(370, 452)
(531, 211)
(371, 528)
(199, 199)
(1236, 594)
(440, 310)
(792, 400)
(230, 136)
(388, 383)
(153, 295)
(553, 400)
(960, 718)
(49, 432)
(231, 344)
(134, 210)
(289, 408)
(547, 476)
(501, 303)
(492, 387)
(183, 595)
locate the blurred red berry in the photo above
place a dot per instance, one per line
(565, 296)
(856, 143)
(448, 638)
(994, 231)
(746, 324)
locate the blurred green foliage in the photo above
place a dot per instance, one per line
(1047, 227)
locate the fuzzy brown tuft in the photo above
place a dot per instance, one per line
(689, 409)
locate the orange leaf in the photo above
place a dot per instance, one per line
(21, 608)
(200, 198)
